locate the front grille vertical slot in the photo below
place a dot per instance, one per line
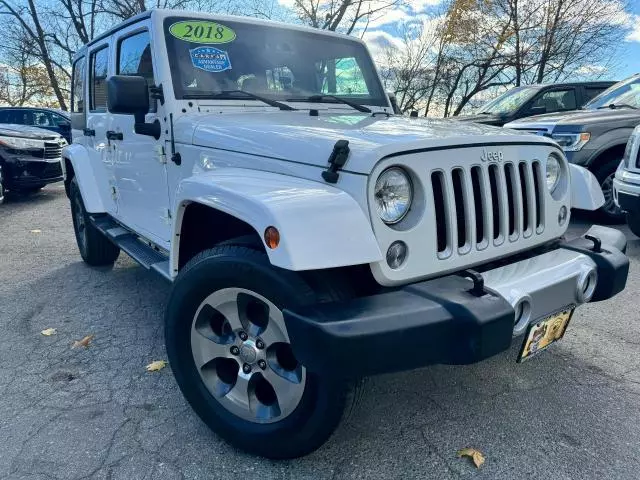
(494, 182)
(512, 209)
(528, 199)
(461, 212)
(437, 185)
(538, 186)
(480, 216)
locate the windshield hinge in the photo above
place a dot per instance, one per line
(337, 159)
(157, 92)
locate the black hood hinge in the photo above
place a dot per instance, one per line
(337, 159)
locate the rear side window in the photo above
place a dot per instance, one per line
(98, 80)
(134, 58)
(77, 86)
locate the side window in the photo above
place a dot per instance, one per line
(557, 100)
(134, 58)
(592, 92)
(341, 76)
(98, 80)
(4, 116)
(42, 119)
(59, 120)
(77, 86)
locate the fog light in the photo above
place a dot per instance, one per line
(562, 215)
(397, 254)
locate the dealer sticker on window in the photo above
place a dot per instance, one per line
(199, 31)
(210, 59)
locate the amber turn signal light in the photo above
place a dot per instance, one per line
(272, 237)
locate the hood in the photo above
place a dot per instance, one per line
(27, 131)
(299, 137)
(578, 117)
(486, 118)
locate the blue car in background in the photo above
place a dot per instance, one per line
(47, 118)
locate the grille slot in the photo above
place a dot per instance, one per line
(486, 205)
(538, 187)
(52, 150)
(437, 184)
(461, 212)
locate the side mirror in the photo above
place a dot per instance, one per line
(537, 111)
(65, 127)
(129, 95)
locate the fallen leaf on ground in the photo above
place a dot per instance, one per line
(47, 332)
(84, 342)
(36, 231)
(473, 454)
(157, 365)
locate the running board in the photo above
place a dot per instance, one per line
(130, 243)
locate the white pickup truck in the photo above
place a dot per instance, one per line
(312, 236)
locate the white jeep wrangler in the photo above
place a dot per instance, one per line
(312, 236)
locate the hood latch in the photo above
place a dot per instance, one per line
(337, 159)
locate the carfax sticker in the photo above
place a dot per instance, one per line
(210, 59)
(200, 31)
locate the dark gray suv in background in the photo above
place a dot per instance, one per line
(528, 100)
(595, 137)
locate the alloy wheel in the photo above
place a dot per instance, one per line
(241, 350)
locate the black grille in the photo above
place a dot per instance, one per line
(44, 170)
(52, 150)
(499, 202)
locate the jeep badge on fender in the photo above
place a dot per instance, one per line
(310, 235)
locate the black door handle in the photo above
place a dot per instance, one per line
(88, 132)
(111, 135)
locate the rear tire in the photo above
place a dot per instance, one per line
(633, 221)
(95, 249)
(609, 212)
(209, 351)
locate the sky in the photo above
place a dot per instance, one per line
(626, 58)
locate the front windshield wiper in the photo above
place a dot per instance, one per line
(320, 98)
(613, 106)
(230, 94)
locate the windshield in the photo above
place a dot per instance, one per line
(207, 58)
(626, 92)
(510, 101)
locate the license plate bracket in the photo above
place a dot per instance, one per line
(545, 332)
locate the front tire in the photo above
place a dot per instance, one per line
(95, 249)
(229, 350)
(609, 212)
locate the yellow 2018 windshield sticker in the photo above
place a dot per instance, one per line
(201, 31)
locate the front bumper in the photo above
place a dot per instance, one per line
(626, 190)
(446, 321)
(27, 173)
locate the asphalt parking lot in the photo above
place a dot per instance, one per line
(72, 413)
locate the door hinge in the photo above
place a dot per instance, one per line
(161, 154)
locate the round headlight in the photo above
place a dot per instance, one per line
(553, 173)
(393, 195)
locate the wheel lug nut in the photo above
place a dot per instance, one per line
(262, 364)
(235, 350)
(260, 344)
(246, 368)
(243, 336)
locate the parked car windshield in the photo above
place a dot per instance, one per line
(624, 93)
(210, 58)
(509, 101)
